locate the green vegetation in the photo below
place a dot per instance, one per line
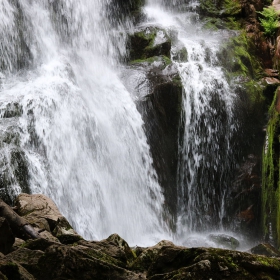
(271, 177)
(269, 22)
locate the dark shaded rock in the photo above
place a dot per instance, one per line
(39, 244)
(18, 243)
(120, 10)
(26, 258)
(13, 271)
(138, 250)
(146, 258)
(265, 249)
(114, 246)
(157, 86)
(62, 262)
(205, 263)
(122, 244)
(149, 42)
(7, 238)
(224, 240)
(69, 238)
(64, 232)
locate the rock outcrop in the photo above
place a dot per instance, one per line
(156, 83)
(112, 258)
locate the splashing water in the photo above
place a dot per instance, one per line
(67, 114)
(206, 159)
(79, 128)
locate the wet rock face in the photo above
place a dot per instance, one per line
(14, 174)
(156, 83)
(123, 9)
(149, 42)
(159, 93)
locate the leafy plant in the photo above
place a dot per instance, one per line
(269, 22)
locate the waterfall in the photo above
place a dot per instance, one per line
(70, 121)
(209, 125)
(70, 128)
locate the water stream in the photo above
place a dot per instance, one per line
(68, 120)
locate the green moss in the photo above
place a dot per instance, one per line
(143, 44)
(167, 61)
(222, 14)
(237, 56)
(271, 176)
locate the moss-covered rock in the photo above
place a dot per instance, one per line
(271, 172)
(149, 42)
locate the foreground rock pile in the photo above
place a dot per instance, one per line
(61, 253)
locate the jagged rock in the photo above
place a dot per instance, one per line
(114, 246)
(159, 91)
(41, 212)
(18, 243)
(224, 240)
(149, 42)
(58, 260)
(13, 271)
(39, 244)
(26, 258)
(145, 259)
(7, 238)
(200, 263)
(265, 249)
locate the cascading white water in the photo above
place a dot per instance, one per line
(206, 157)
(78, 127)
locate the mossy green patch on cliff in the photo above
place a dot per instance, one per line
(149, 42)
(222, 14)
(149, 60)
(238, 57)
(271, 177)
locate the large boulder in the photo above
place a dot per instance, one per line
(42, 213)
(148, 42)
(265, 249)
